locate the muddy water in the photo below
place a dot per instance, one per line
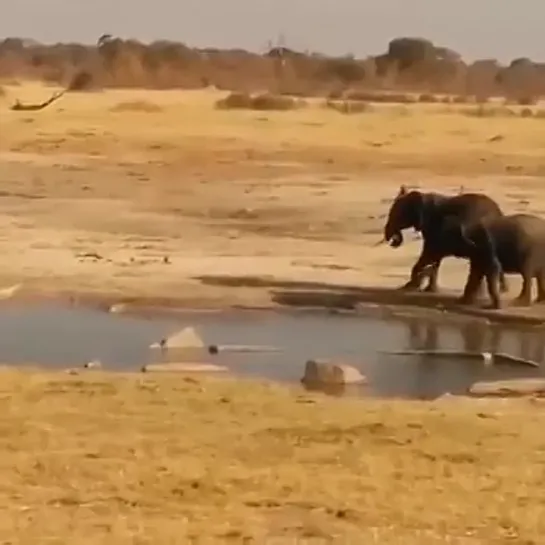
(59, 336)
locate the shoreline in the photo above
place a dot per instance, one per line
(350, 300)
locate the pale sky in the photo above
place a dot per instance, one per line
(504, 29)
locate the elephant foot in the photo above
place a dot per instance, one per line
(493, 306)
(409, 286)
(430, 288)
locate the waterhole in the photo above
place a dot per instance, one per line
(59, 336)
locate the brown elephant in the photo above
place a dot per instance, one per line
(425, 213)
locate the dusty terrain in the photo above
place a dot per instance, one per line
(136, 193)
(102, 459)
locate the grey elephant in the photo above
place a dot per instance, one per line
(513, 244)
(425, 212)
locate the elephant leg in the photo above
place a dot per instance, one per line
(473, 283)
(540, 286)
(415, 281)
(432, 278)
(504, 285)
(492, 281)
(419, 270)
(479, 289)
(524, 299)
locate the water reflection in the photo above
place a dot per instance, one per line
(476, 336)
(426, 376)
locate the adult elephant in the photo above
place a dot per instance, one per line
(513, 244)
(425, 213)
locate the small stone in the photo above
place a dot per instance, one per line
(94, 364)
(118, 307)
(186, 338)
(324, 372)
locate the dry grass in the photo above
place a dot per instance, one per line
(435, 136)
(136, 106)
(134, 459)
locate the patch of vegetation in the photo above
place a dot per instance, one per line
(262, 102)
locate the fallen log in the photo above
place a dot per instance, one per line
(217, 348)
(508, 388)
(182, 368)
(488, 358)
(20, 107)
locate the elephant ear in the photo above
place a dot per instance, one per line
(452, 227)
(403, 190)
(425, 207)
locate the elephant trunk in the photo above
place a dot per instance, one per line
(393, 236)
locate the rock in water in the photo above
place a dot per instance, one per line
(6, 293)
(186, 338)
(324, 372)
(94, 364)
(118, 307)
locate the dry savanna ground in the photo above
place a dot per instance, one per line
(100, 188)
(100, 459)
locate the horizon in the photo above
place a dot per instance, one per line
(242, 24)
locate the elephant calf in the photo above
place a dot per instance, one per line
(511, 244)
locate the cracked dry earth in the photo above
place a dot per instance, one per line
(154, 230)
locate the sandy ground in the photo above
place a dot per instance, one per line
(217, 208)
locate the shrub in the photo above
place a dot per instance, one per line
(348, 106)
(274, 102)
(82, 81)
(489, 111)
(527, 101)
(235, 101)
(427, 98)
(264, 102)
(460, 99)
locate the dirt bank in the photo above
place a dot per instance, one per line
(144, 233)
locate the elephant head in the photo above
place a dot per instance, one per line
(409, 209)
